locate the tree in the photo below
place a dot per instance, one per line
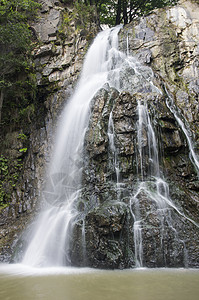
(15, 42)
(114, 12)
(128, 10)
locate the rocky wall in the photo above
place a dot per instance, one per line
(167, 41)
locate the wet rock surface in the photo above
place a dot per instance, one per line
(107, 237)
(170, 237)
(106, 244)
(104, 236)
(167, 40)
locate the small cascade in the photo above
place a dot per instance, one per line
(152, 185)
(83, 240)
(127, 44)
(148, 170)
(113, 149)
(193, 156)
(146, 136)
(137, 228)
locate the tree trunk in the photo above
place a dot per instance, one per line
(125, 16)
(118, 16)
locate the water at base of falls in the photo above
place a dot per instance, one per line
(50, 239)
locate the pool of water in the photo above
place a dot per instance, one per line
(25, 283)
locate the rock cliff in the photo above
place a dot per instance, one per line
(166, 45)
(167, 42)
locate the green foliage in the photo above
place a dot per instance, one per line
(22, 137)
(16, 70)
(9, 174)
(65, 28)
(15, 36)
(23, 150)
(19, 107)
(145, 6)
(107, 11)
(10, 170)
(3, 166)
(114, 12)
(83, 14)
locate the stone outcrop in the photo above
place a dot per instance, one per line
(170, 238)
(167, 40)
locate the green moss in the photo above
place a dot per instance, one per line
(83, 15)
(17, 78)
(10, 170)
(168, 158)
(22, 137)
(65, 27)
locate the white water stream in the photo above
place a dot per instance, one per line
(114, 160)
(104, 63)
(193, 156)
(49, 243)
(152, 182)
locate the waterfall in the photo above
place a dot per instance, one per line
(104, 65)
(49, 244)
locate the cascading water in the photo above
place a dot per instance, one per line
(193, 156)
(151, 184)
(104, 63)
(50, 240)
(113, 149)
(146, 135)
